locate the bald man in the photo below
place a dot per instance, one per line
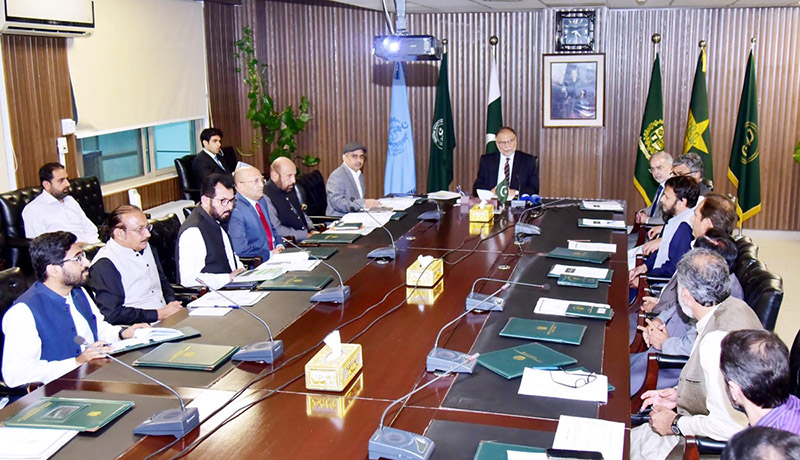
(252, 234)
(285, 211)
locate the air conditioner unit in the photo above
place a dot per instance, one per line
(50, 18)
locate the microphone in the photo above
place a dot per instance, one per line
(432, 215)
(497, 304)
(522, 228)
(175, 422)
(395, 444)
(333, 294)
(389, 252)
(256, 352)
(443, 359)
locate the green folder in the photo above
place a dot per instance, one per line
(332, 238)
(491, 450)
(321, 252)
(192, 356)
(398, 215)
(548, 331)
(595, 257)
(578, 310)
(511, 362)
(577, 281)
(290, 282)
(607, 279)
(69, 414)
(188, 333)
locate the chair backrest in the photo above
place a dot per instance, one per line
(748, 269)
(11, 205)
(190, 187)
(794, 365)
(312, 191)
(12, 285)
(163, 239)
(86, 191)
(764, 294)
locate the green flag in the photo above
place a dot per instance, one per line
(494, 111)
(698, 131)
(502, 192)
(651, 136)
(443, 136)
(744, 170)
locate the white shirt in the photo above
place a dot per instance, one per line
(501, 170)
(46, 214)
(22, 351)
(356, 177)
(192, 259)
(722, 421)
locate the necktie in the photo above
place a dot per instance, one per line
(219, 162)
(655, 200)
(507, 171)
(266, 227)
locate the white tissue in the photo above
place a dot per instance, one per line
(334, 342)
(482, 204)
(424, 261)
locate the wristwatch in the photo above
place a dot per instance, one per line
(675, 430)
(121, 330)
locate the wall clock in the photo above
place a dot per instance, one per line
(575, 31)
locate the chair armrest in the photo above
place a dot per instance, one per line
(188, 291)
(18, 242)
(324, 218)
(708, 446)
(641, 417)
(251, 262)
(671, 361)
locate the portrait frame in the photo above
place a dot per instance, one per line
(573, 90)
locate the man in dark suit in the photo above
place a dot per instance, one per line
(212, 159)
(519, 168)
(252, 233)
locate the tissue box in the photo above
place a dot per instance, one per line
(322, 374)
(433, 273)
(424, 296)
(481, 228)
(323, 405)
(481, 214)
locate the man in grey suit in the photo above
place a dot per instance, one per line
(346, 186)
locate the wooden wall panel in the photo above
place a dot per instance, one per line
(152, 194)
(324, 52)
(38, 90)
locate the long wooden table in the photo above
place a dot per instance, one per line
(290, 422)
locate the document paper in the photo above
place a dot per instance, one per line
(599, 247)
(32, 443)
(578, 433)
(237, 298)
(586, 272)
(603, 205)
(556, 384)
(558, 307)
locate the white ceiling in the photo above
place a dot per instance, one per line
(469, 6)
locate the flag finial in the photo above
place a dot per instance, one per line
(702, 44)
(493, 40)
(656, 38)
(752, 43)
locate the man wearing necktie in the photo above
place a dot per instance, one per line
(661, 169)
(212, 159)
(252, 233)
(519, 169)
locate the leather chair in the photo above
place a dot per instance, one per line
(12, 285)
(87, 192)
(794, 365)
(163, 239)
(312, 191)
(765, 295)
(11, 205)
(189, 185)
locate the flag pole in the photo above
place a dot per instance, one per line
(493, 42)
(656, 38)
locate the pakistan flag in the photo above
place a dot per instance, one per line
(698, 132)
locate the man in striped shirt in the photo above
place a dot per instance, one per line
(755, 365)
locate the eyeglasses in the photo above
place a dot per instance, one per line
(225, 201)
(139, 230)
(508, 142)
(257, 180)
(79, 258)
(657, 168)
(573, 379)
(357, 156)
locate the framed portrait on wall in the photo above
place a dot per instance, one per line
(574, 90)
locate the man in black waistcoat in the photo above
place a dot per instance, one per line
(285, 211)
(204, 248)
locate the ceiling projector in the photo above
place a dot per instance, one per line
(407, 47)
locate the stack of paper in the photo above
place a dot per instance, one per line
(579, 433)
(561, 384)
(261, 273)
(601, 206)
(561, 307)
(441, 195)
(232, 298)
(289, 262)
(398, 203)
(32, 443)
(588, 246)
(602, 274)
(602, 223)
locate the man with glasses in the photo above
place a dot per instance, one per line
(285, 210)
(661, 169)
(691, 165)
(518, 169)
(41, 326)
(346, 187)
(55, 210)
(126, 276)
(204, 248)
(251, 231)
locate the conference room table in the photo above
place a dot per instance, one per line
(273, 415)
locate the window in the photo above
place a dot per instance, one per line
(133, 153)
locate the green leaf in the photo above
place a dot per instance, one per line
(797, 153)
(308, 160)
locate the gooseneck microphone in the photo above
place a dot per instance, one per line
(496, 304)
(389, 252)
(443, 359)
(432, 215)
(336, 294)
(173, 422)
(394, 444)
(255, 352)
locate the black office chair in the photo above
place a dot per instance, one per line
(314, 196)
(12, 285)
(189, 185)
